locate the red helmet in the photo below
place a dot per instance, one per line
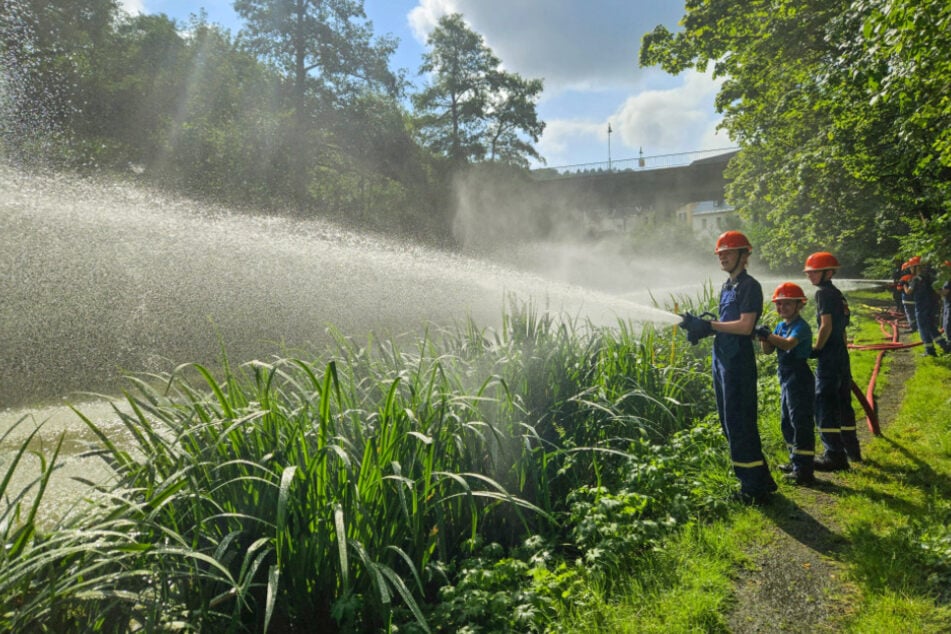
(821, 261)
(947, 263)
(905, 278)
(788, 290)
(914, 261)
(732, 240)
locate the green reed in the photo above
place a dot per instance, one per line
(291, 495)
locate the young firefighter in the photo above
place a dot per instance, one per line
(921, 289)
(792, 339)
(734, 366)
(834, 414)
(946, 296)
(907, 301)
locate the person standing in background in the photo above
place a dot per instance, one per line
(897, 287)
(921, 288)
(908, 303)
(946, 300)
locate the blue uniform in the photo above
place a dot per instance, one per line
(834, 414)
(908, 302)
(797, 395)
(946, 323)
(925, 306)
(734, 382)
(926, 311)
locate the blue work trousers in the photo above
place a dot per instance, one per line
(797, 412)
(910, 313)
(926, 314)
(835, 417)
(734, 381)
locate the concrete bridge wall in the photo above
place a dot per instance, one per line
(647, 193)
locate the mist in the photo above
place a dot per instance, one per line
(631, 252)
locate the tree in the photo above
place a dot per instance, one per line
(472, 109)
(327, 49)
(830, 159)
(322, 45)
(512, 110)
(48, 61)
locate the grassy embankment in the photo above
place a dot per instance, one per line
(518, 481)
(889, 519)
(480, 480)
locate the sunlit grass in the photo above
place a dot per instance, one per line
(893, 513)
(898, 520)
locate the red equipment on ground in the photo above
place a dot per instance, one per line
(889, 320)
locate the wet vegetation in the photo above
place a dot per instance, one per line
(548, 476)
(482, 479)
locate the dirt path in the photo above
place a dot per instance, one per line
(795, 583)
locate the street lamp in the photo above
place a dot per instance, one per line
(609, 146)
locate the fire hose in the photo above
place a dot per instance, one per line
(867, 400)
(889, 328)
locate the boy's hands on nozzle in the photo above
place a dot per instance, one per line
(695, 327)
(762, 332)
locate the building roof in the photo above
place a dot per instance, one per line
(711, 207)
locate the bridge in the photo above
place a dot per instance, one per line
(643, 187)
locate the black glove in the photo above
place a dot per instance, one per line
(695, 327)
(762, 332)
(814, 354)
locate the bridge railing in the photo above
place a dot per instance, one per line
(639, 163)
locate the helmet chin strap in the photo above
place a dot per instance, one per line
(739, 258)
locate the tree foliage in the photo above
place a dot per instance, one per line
(190, 107)
(472, 109)
(326, 50)
(50, 68)
(326, 46)
(841, 109)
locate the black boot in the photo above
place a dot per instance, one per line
(837, 461)
(751, 499)
(801, 477)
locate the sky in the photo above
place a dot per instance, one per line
(585, 51)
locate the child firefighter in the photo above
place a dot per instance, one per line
(792, 340)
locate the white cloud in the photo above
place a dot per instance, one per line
(132, 7)
(682, 117)
(678, 119)
(570, 46)
(423, 19)
(587, 55)
(562, 134)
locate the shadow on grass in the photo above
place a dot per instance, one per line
(895, 561)
(919, 474)
(802, 526)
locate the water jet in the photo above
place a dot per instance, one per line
(106, 278)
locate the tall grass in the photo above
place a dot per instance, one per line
(339, 495)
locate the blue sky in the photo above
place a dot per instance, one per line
(585, 51)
